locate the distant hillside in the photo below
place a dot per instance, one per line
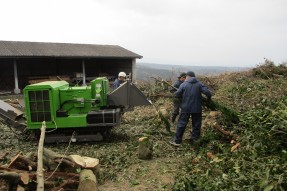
(144, 71)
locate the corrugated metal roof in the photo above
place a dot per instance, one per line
(45, 49)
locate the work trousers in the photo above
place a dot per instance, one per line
(175, 112)
(183, 121)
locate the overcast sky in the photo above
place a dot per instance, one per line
(194, 32)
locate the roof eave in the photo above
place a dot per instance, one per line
(84, 57)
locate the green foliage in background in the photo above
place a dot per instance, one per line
(269, 70)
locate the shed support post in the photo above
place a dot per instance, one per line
(84, 73)
(134, 70)
(16, 90)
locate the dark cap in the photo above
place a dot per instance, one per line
(182, 75)
(190, 73)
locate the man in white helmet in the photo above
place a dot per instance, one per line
(121, 78)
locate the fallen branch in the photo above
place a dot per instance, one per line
(22, 163)
(52, 159)
(3, 168)
(229, 134)
(32, 175)
(40, 173)
(235, 147)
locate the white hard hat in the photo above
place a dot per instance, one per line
(122, 74)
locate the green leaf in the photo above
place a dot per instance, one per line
(78, 170)
(263, 183)
(224, 176)
(269, 187)
(237, 169)
(216, 159)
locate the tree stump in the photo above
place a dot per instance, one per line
(145, 148)
(88, 181)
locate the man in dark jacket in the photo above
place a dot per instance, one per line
(119, 80)
(190, 92)
(176, 101)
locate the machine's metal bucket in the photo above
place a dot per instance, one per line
(127, 95)
(12, 116)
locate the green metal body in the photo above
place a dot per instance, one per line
(61, 106)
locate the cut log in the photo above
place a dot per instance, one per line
(64, 161)
(71, 180)
(145, 148)
(87, 163)
(22, 163)
(2, 169)
(64, 175)
(12, 178)
(51, 160)
(24, 178)
(49, 164)
(51, 154)
(88, 181)
(40, 173)
(15, 178)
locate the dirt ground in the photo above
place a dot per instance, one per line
(147, 175)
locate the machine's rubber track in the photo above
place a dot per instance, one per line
(87, 134)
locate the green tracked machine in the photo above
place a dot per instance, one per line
(87, 112)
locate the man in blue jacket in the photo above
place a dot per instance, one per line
(119, 80)
(190, 93)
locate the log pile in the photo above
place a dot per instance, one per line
(22, 172)
(48, 170)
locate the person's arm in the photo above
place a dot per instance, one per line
(180, 91)
(206, 91)
(116, 84)
(173, 90)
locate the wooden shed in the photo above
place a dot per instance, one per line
(23, 63)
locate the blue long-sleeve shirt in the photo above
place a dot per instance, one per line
(190, 93)
(117, 83)
(176, 84)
